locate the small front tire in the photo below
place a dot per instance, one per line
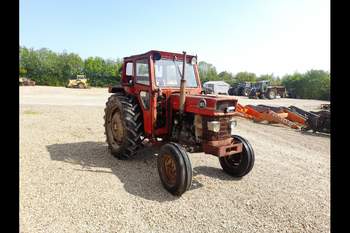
(238, 165)
(174, 168)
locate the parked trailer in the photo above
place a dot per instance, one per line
(216, 87)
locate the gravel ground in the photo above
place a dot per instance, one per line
(70, 183)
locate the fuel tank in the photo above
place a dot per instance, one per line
(207, 105)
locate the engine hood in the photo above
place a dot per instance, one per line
(214, 105)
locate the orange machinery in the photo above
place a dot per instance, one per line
(281, 115)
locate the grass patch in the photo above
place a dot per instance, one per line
(30, 112)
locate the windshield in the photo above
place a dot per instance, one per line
(168, 73)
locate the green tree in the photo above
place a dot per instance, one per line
(102, 72)
(22, 71)
(29, 61)
(70, 65)
(244, 77)
(226, 76)
(314, 84)
(207, 72)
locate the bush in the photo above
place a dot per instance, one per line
(314, 84)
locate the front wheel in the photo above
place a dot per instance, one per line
(240, 164)
(174, 168)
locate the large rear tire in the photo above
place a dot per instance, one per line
(271, 94)
(246, 91)
(174, 168)
(238, 165)
(123, 126)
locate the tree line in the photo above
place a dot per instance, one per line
(46, 67)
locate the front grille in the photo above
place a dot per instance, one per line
(222, 105)
(224, 133)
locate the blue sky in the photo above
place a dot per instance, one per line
(261, 36)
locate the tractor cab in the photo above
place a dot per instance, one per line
(262, 85)
(155, 79)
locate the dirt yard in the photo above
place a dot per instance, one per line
(70, 183)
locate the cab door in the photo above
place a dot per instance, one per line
(145, 94)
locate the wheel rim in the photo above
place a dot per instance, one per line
(169, 170)
(117, 128)
(234, 160)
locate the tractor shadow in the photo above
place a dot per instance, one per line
(213, 172)
(139, 176)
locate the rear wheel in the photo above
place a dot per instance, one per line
(240, 164)
(252, 94)
(271, 94)
(81, 85)
(246, 91)
(174, 168)
(123, 126)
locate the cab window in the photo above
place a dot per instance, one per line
(128, 72)
(142, 72)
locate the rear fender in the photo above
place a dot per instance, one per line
(115, 89)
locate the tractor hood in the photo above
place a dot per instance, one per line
(209, 105)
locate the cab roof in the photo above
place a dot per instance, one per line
(168, 55)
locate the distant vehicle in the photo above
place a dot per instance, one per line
(263, 90)
(241, 89)
(216, 87)
(26, 82)
(80, 81)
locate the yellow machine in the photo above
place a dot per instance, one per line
(80, 81)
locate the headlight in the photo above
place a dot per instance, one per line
(214, 126)
(233, 124)
(202, 103)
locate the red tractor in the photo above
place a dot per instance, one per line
(160, 101)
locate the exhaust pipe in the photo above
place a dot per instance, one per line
(182, 85)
